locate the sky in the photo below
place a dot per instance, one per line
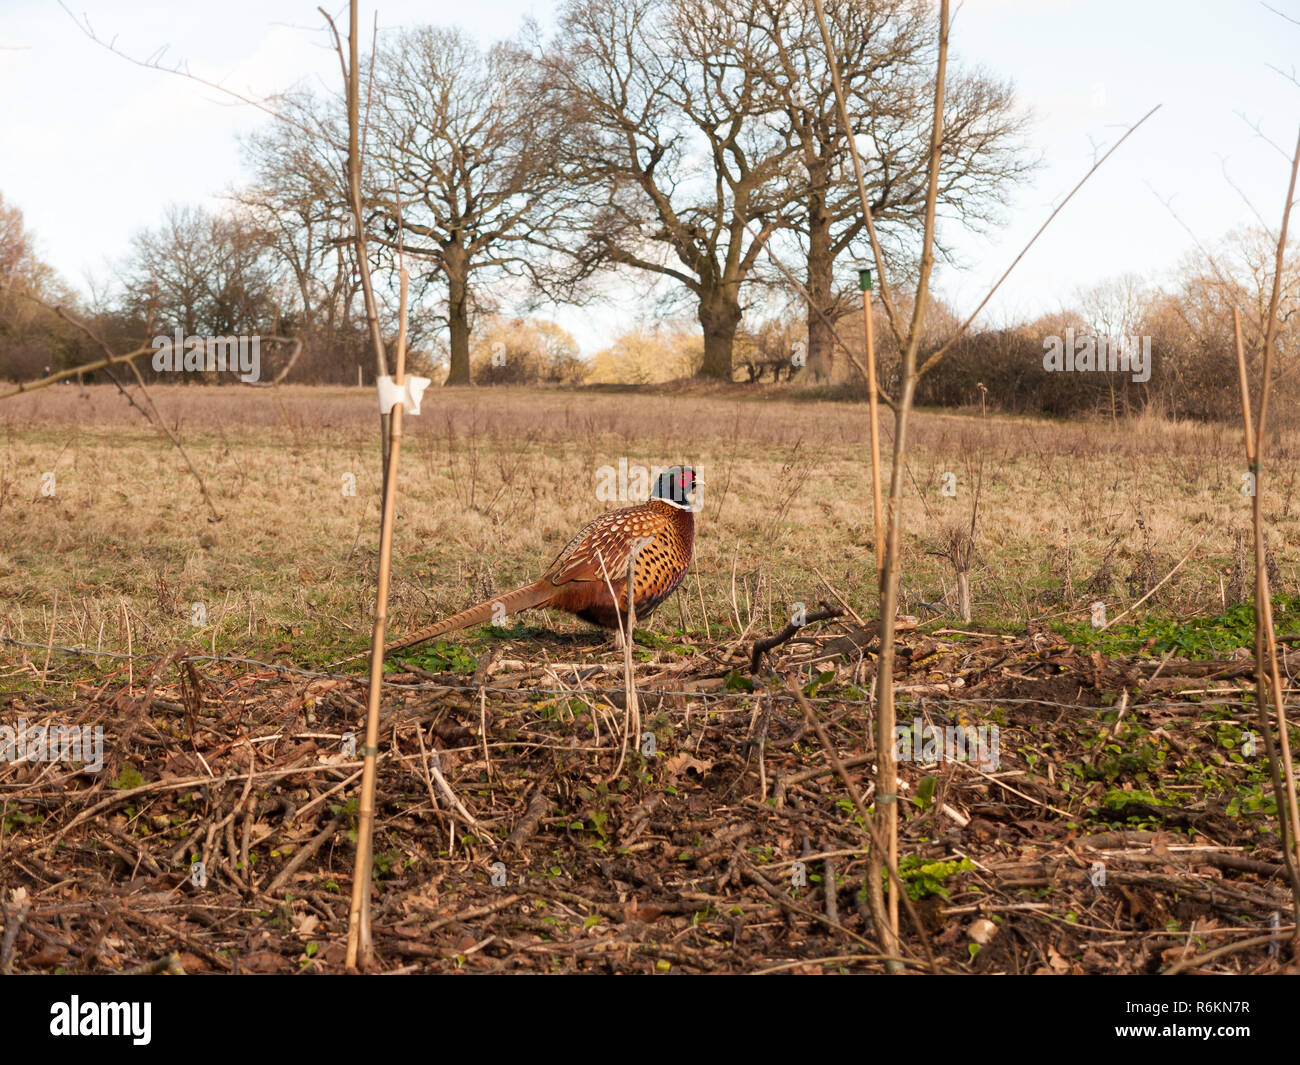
(92, 147)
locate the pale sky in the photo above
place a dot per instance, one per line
(92, 147)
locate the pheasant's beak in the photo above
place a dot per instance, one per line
(693, 493)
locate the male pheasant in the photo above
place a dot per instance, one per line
(580, 578)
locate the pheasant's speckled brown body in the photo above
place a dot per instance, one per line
(602, 548)
(593, 562)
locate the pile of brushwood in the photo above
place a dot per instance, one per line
(1062, 811)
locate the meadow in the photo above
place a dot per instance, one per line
(494, 481)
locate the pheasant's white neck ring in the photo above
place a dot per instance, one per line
(680, 506)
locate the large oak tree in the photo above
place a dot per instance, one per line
(885, 53)
(672, 147)
(710, 127)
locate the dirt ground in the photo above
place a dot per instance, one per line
(510, 837)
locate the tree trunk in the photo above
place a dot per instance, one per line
(821, 266)
(455, 263)
(720, 318)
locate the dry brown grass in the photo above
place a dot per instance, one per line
(494, 481)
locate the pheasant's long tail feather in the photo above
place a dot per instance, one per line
(530, 595)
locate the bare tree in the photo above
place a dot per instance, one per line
(15, 242)
(1114, 309)
(674, 147)
(460, 155)
(1237, 272)
(885, 51)
(32, 337)
(701, 116)
(206, 274)
(170, 270)
(300, 201)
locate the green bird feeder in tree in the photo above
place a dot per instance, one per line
(864, 279)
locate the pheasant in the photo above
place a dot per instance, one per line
(580, 578)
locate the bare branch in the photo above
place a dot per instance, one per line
(129, 360)
(933, 360)
(886, 299)
(154, 62)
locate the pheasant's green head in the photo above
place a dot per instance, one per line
(679, 487)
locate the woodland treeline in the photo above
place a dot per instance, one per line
(676, 149)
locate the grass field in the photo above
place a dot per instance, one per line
(493, 482)
(1135, 747)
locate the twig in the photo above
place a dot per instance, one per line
(860, 806)
(1156, 587)
(304, 853)
(537, 806)
(787, 904)
(933, 360)
(1021, 794)
(162, 425)
(14, 920)
(434, 770)
(1218, 952)
(853, 358)
(836, 959)
(169, 963)
(471, 913)
(54, 616)
(63, 375)
(1268, 676)
(768, 643)
(482, 729)
(1106, 733)
(886, 299)
(360, 944)
(840, 599)
(129, 361)
(154, 63)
